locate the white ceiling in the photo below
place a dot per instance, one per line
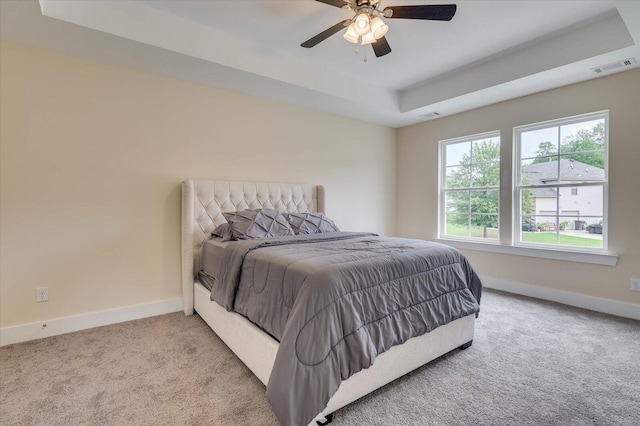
(491, 51)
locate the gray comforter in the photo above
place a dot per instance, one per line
(335, 301)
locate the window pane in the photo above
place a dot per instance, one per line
(539, 230)
(458, 153)
(539, 171)
(484, 213)
(457, 202)
(486, 174)
(528, 229)
(539, 143)
(540, 237)
(485, 201)
(486, 150)
(594, 230)
(585, 233)
(574, 170)
(540, 204)
(457, 225)
(583, 136)
(527, 202)
(587, 202)
(458, 177)
(528, 224)
(484, 226)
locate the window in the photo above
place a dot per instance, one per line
(561, 183)
(470, 187)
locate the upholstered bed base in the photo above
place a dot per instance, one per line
(203, 202)
(257, 350)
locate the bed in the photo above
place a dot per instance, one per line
(203, 203)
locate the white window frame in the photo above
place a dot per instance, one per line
(442, 189)
(507, 246)
(516, 186)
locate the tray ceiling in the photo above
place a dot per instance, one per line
(490, 52)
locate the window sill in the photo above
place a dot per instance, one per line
(544, 253)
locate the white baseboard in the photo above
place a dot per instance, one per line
(38, 330)
(598, 304)
(54, 327)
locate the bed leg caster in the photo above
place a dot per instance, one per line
(466, 345)
(328, 419)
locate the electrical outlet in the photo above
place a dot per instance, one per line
(42, 294)
(635, 284)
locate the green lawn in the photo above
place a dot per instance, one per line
(565, 240)
(476, 231)
(527, 237)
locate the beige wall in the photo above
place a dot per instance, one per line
(418, 182)
(92, 157)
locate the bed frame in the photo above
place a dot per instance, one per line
(203, 202)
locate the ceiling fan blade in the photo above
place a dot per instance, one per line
(432, 12)
(381, 47)
(326, 34)
(336, 3)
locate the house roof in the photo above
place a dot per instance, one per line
(569, 170)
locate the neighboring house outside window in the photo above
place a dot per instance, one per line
(470, 187)
(561, 182)
(546, 200)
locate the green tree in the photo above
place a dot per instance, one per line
(545, 150)
(526, 197)
(586, 146)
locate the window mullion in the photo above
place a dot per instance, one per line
(558, 213)
(564, 185)
(469, 217)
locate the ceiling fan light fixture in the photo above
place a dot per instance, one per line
(351, 35)
(368, 38)
(362, 24)
(366, 25)
(378, 28)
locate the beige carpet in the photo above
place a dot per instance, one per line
(532, 363)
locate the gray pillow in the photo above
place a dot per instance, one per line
(223, 232)
(311, 223)
(251, 224)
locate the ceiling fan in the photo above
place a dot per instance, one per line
(367, 25)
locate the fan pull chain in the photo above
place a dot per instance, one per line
(356, 51)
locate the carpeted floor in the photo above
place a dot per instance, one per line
(532, 363)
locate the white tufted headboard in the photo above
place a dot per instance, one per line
(203, 202)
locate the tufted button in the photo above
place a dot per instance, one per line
(214, 197)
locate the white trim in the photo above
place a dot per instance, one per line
(566, 120)
(596, 258)
(598, 304)
(54, 327)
